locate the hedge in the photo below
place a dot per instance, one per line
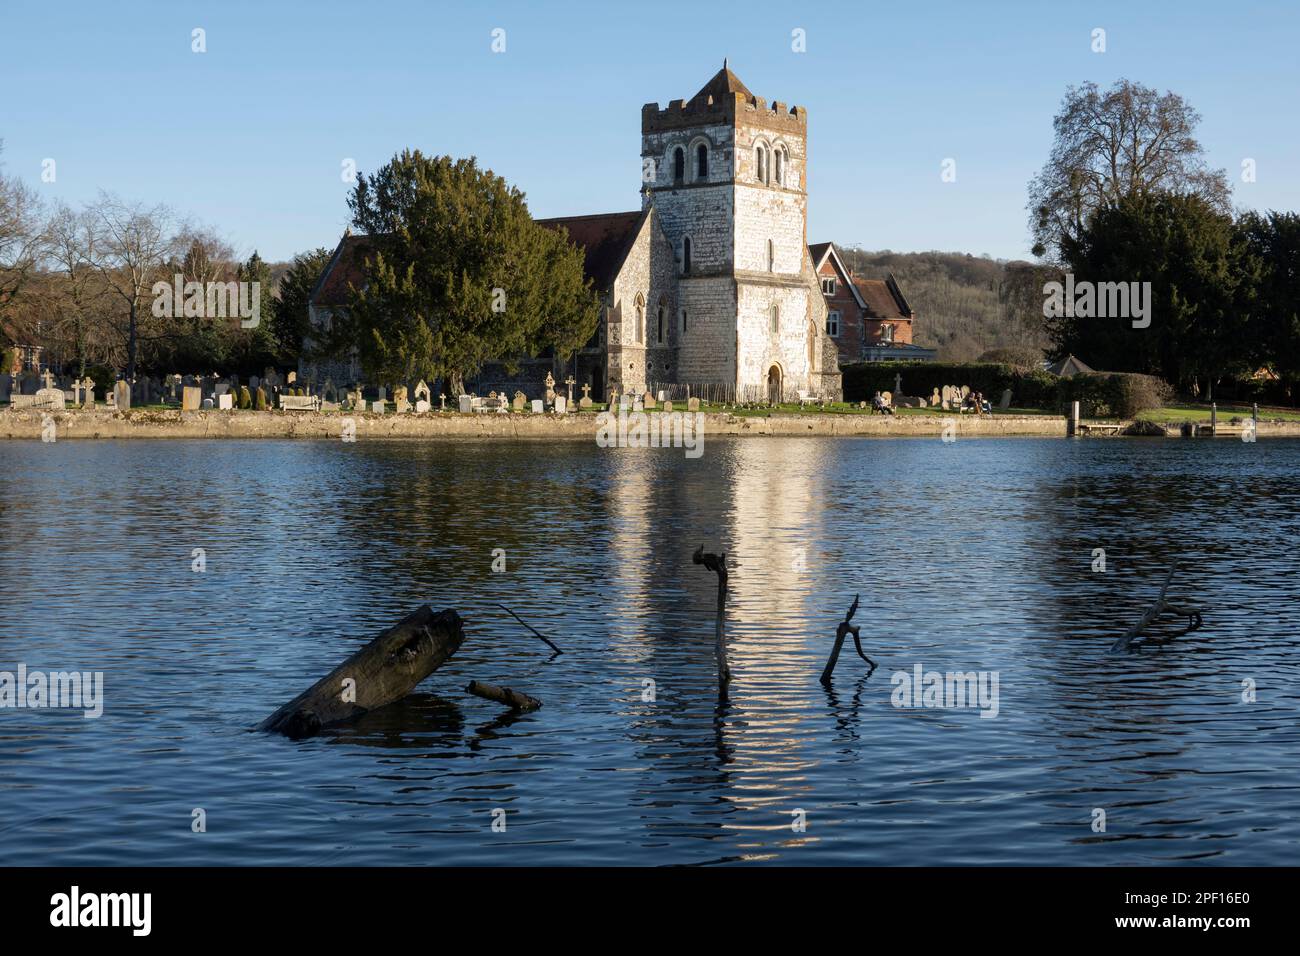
(1100, 394)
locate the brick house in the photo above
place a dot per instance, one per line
(869, 320)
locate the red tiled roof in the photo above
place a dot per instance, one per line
(347, 267)
(606, 239)
(881, 301)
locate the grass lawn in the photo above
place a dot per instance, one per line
(1201, 413)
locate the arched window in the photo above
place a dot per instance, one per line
(778, 156)
(702, 162)
(660, 336)
(776, 319)
(679, 164)
(760, 157)
(686, 256)
(771, 256)
(683, 321)
(638, 331)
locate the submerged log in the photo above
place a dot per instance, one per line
(1131, 640)
(386, 669)
(718, 564)
(503, 695)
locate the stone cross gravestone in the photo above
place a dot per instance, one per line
(585, 401)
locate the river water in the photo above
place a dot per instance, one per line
(973, 556)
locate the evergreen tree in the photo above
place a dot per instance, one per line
(289, 316)
(461, 275)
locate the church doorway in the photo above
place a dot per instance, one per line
(774, 384)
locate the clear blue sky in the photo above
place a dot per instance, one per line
(248, 137)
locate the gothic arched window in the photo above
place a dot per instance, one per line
(686, 256)
(638, 331)
(760, 156)
(776, 319)
(660, 336)
(778, 156)
(771, 256)
(702, 162)
(679, 164)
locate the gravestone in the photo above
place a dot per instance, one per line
(207, 404)
(379, 406)
(585, 401)
(521, 400)
(122, 396)
(648, 399)
(192, 398)
(89, 385)
(550, 389)
(422, 406)
(1005, 402)
(50, 399)
(223, 388)
(668, 406)
(466, 404)
(383, 393)
(561, 405)
(624, 402)
(692, 404)
(293, 377)
(537, 406)
(421, 391)
(935, 398)
(637, 406)
(226, 402)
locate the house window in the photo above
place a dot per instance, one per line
(886, 333)
(760, 155)
(828, 285)
(660, 333)
(771, 256)
(776, 319)
(702, 162)
(833, 325)
(679, 164)
(686, 256)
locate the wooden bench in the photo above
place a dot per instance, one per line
(299, 403)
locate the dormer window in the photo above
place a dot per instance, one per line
(828, 285)
(702, 162)
(679, 165)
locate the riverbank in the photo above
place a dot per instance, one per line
(172, 423)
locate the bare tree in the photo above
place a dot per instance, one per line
(80, 289)
(1109, 145)
(133, 244)
(21, 238)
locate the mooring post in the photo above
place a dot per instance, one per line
(1073, 427)
(1254, 416)
(1214, 418)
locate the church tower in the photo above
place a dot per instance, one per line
(726, 175)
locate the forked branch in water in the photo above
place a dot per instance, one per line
(1130, 640)
(841, 632)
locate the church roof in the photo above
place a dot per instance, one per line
(723, 84)
(346, 267)
(606, 238)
